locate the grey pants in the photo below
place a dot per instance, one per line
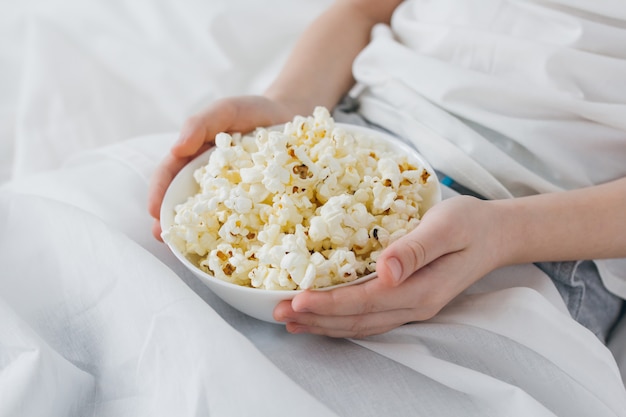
(578, 282)
(586, 297)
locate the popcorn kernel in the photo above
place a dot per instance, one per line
(324, 221)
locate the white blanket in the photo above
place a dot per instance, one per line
(97, 318)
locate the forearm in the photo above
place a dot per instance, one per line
(587, 223)
(319, 70)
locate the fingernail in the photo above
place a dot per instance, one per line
(295, 306)
(396, 269)
(181, 139)
(183, 135)
(296, 329)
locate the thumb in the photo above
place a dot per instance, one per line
(427, 242)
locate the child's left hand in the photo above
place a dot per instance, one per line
(457, 243)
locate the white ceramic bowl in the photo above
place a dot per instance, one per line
(255, 302)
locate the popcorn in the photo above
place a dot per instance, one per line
(309, 206)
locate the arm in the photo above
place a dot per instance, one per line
(318, 72)
(458, 242)
(588, 223)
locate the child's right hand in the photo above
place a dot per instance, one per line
(236, 114)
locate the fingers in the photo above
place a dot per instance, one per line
(163, 176)
(421, 292)
(235, 114)
(160, 181)
(197, 135)
(156, 230)
(350, 326)
(431, 239)
(371, 296)
(356, 311)
(376, 307)
(342, 325)
(201, 128)
(418, 275)
(193, 135)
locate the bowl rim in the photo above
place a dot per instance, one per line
(167, 209)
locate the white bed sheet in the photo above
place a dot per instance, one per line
(97, 318)
(77, 75)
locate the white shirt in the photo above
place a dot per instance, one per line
(509, 98)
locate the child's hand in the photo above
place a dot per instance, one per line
(237, 114)
(456, 244)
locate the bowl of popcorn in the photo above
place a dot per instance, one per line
(308, 205)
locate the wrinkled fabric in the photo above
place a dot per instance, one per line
(77, 76)
(91, 299)
(98, 318)
(529, 97)
(95, 325)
